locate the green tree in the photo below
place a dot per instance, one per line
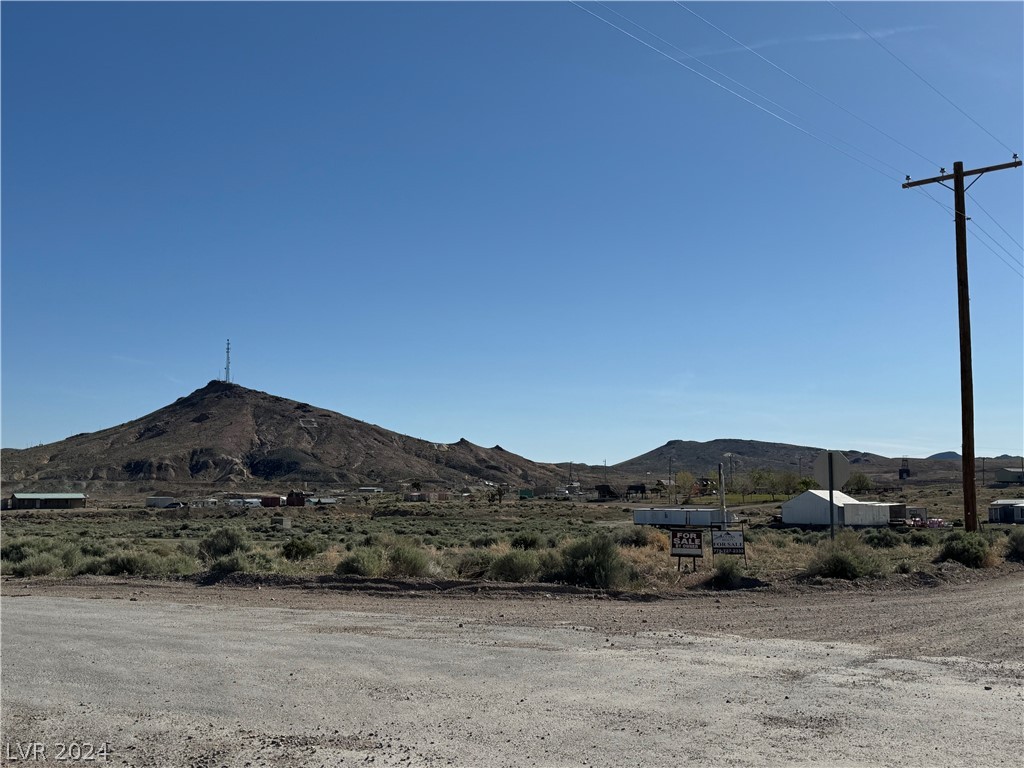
(858, 483)
(685, 482)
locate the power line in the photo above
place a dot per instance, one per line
(974, 200)
(948, 209)
(919, 77)
(729, 90)
(809, 87)
(746, 88)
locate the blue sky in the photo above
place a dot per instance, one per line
(514, 223)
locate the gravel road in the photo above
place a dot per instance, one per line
(180, 675)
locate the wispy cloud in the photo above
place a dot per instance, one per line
(827, 37)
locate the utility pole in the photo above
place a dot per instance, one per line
(963, 305)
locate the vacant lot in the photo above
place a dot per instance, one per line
(178, 674)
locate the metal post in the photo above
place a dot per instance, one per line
(831, 504)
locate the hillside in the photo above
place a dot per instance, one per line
(225, 434)
(741, 456)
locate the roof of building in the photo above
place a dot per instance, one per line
(1006, 502)
(838, 497)
(48, 496)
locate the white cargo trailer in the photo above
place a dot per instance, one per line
(682, 517)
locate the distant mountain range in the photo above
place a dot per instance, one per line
(225, 435)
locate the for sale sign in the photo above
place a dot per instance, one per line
(727, 542)
(687, 544)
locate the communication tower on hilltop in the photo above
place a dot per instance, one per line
(227, 363)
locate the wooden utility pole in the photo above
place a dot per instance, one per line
(963, 305)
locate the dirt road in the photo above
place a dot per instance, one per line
(180, 675)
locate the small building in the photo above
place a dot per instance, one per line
(370, 489)
(811, 508)
(1010, 475)
(1006, 511)
(47, 501)
(162, 502)
(295, 499)
(272, 501)
(321, 501)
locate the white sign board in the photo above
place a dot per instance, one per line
(687, 544)
(840, 469)
(727, 542)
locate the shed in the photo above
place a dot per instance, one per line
(47, 501)
(1010, 475)
(1006, 511)
(811, 508)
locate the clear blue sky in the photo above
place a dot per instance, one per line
(513, 223)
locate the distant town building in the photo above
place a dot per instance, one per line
(46, 501)
(1006, 511)
(1010, 475)
(162, 502)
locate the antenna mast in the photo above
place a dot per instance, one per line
(227, 363)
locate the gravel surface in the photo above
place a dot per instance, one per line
(175, 674)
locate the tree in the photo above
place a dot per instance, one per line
(858, 483)
(789, 482)
(743, 485)
(500, 492)
(685, 481)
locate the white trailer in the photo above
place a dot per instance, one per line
(865, 513)
(677, 517)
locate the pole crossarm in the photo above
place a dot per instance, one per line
(949, 176)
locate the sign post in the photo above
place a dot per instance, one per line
(831, 469)
(687, 543)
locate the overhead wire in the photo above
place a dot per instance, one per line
(746, 88)
(729, 90)
(919, 77)
(982, 209)
(860, 119)
(950, 210)
(806, 85)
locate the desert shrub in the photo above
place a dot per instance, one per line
(234, 562)
(1015, 545)
(970, 549)
(594, 562)
(637, 536)
(223, 541)
(37, 564)
(516, 565)
(93, 549)
(89, 565)
(846, 557)
(18, 550)
(550, 565)
(299, 548)
(130, 564)
(407, 560)
(365, 561)
(728, 574)
(882, 538)
(525, 541)
(920, 539)
(473, 564)
(482, 542)
(903, 566)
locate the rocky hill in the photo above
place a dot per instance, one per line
(225, 434)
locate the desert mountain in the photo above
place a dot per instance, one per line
(226, 434)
